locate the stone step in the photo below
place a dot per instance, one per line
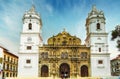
(63, 78)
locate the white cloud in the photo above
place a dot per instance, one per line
(11, 17)
(80, 30)
(9, 23)
(8, 44)
(49, 8)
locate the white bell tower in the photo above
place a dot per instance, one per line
(30, 41)
(97, 39)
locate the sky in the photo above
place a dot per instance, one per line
(56, 15)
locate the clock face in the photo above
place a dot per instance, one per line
(29, 39)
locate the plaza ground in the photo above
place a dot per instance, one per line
(111, 77)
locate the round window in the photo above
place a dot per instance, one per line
(29, 39)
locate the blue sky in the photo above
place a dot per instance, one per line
(56, 15)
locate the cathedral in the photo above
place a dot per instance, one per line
(64, 56)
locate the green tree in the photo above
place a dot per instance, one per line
(116, 35)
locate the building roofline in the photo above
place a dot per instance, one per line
(116, 58)
(11, 54)
(7, 51)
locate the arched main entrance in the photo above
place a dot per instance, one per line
(84, 71)
(64, 70)
(44, 71)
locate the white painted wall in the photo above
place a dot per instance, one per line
(36, 26)
(35, 42)
(101, 70)
(28, 70)
(98, 38)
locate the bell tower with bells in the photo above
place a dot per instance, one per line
(97, 39)
(30, 40)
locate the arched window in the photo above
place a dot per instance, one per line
(98, 25)
(83, 55)
(58, 39)
(7, 74)
(64, 70)
(64, 42)
(44, 55)
(44, 71)
(99, 49)
(64, 55)
(30, 26)
(84, 71)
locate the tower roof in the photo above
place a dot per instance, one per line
(32, 9)
(32, 14)
(94, 8)
(95, 13)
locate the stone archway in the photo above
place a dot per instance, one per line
(64, 70)
(44, 71)
(84, 71)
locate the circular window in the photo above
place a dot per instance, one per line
(29, 39)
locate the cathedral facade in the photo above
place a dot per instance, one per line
(63, 55)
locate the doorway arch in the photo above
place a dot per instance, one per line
(44, 71)
(84, 71)
(64, 70)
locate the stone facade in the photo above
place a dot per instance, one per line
(64, 56)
